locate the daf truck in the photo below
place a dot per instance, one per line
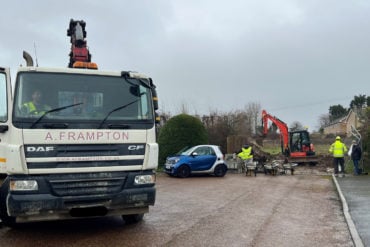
(91, 152)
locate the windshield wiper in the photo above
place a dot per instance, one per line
(53, 110)
(118, 126)
(114, 110)
(55, 126)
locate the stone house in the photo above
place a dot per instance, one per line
(342, 126)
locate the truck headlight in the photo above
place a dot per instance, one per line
(145, 179)
(23, 185)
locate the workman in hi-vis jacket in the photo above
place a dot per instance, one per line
(35, 107)
(246, 154)
(338, 149)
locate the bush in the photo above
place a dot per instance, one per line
(180, 131)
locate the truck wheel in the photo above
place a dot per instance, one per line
(132, 218)
(183, 171)
(6, 220)
(220, 171)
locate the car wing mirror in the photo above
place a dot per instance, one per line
(194, 154)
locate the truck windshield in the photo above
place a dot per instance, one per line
(52, 100)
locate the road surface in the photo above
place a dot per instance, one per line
(236, 210)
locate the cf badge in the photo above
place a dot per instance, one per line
(135, 147)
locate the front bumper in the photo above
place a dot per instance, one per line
(170, 171)
(84, 195)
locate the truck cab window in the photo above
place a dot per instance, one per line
(3, 98)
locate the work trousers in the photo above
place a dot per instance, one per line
(355, 164)
(338, 161)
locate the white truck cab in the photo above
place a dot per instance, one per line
(89, 150)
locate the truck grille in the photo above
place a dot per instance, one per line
(84, 155)
(87, 184)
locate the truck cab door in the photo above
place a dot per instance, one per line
(5, 110)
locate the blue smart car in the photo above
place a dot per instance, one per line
(201, 159)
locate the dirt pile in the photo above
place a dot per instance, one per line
(323, 166)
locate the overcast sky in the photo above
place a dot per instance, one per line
(295, 58)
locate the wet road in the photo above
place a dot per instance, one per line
(356, 196)
(299, 210)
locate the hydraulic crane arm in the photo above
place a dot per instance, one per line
(79, 50)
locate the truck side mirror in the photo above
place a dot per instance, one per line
(3, 128)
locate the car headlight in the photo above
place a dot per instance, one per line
(145, 179)
(172, 161)
(23, 185)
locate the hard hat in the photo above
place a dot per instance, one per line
(337, 138)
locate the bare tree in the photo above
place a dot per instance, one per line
(296, 125)
(324, 120)
(242, 124)
(219, 126)
(253, 112)
(184, 108)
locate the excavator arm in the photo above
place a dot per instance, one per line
(283, 128)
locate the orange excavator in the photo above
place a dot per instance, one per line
(295, 145)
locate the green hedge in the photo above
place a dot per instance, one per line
(180, 131)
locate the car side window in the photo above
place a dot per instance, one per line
(199, 151)
(207, 151)
(204, 151)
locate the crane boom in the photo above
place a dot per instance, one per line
(80, 55)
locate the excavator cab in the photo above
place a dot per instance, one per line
(300, 144)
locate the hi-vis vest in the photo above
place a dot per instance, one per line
(338, 149)
(31, 108)
(246, 153)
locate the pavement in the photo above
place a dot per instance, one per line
(354, 192)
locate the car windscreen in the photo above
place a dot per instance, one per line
(186, 150)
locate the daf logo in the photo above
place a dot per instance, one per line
(135, 147)
(40, 149)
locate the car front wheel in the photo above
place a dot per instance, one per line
(220, 171)
(183, 171)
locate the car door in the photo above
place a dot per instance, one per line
(202, 158)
